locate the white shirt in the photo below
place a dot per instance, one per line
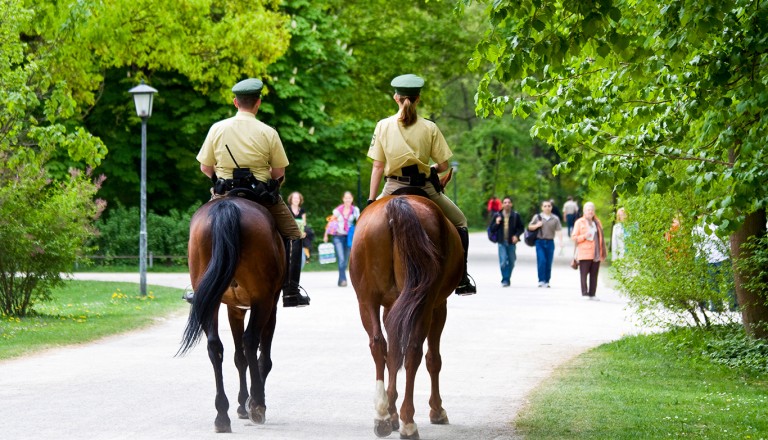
(709, 246)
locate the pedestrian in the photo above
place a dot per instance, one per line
(295, 202)
(715, 252)
(401, 149)
(556, 210)
(571, 211)
(243, 152)
(590, 249)
(494, 206)
(618, 234)
(344, 218)
(507, 226)
(548, 226)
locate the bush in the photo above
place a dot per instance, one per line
(756, 264)
(45, 226)
(166, 235)
(661, 272)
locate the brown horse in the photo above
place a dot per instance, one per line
(407, 258)
(236, 257)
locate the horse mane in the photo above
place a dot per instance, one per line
(225, 254)
(422, 267)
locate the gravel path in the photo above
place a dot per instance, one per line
(497, 346)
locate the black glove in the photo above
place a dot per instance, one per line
(214, 178)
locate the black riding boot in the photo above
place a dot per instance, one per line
(465, 285)
(292, 296)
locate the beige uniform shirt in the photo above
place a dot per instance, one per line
(254, 145)
(397, 146)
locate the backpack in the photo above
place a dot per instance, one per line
(492, 235)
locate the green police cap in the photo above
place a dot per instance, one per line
(408, 85)
(250, 86)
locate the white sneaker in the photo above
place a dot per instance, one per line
(547, 284)
(542, 283)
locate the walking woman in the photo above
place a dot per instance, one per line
(590, 248)
(295, 200)
(402, 147)
(344, 217)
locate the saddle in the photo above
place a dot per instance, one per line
(410, 191)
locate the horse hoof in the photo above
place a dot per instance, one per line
(241, 412)
(409, 431)
(440, 418)
(258, 415)
(395, 421)
(382, 428)
(222, 425)
(414, 436)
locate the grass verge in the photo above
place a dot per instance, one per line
(83, 311)
(650, 387)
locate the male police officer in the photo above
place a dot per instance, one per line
(242, 151)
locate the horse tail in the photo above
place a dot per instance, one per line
(225, 256)
(420, 256)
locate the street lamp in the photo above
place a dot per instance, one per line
(455, 166)
(142, 97)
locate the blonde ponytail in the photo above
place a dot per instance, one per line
(408, 115)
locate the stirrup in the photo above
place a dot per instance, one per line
(296, 299)
(467, 286)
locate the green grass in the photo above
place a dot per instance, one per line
(649, 387)
(83, 311)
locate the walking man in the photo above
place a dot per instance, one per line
(507, 225)
(571, 211)
(548, 225)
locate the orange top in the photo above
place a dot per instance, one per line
(585, 249)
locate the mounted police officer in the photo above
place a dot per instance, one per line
(401, 149)
(245, 157)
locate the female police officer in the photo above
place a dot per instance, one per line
(401, 149)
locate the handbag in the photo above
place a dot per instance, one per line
(326, 253)
(574, 261)
(529, 237)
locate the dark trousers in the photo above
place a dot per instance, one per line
(571, 220)
(588, 268)
(545, 255)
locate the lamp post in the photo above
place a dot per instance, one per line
(455, 166)
(142, 97)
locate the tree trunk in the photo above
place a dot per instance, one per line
(754, 311)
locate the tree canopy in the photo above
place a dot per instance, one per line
(627, 87)
(630, 89)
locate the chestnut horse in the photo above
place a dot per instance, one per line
(407, 258)
(236, 257)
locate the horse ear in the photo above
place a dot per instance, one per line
(446, 178)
